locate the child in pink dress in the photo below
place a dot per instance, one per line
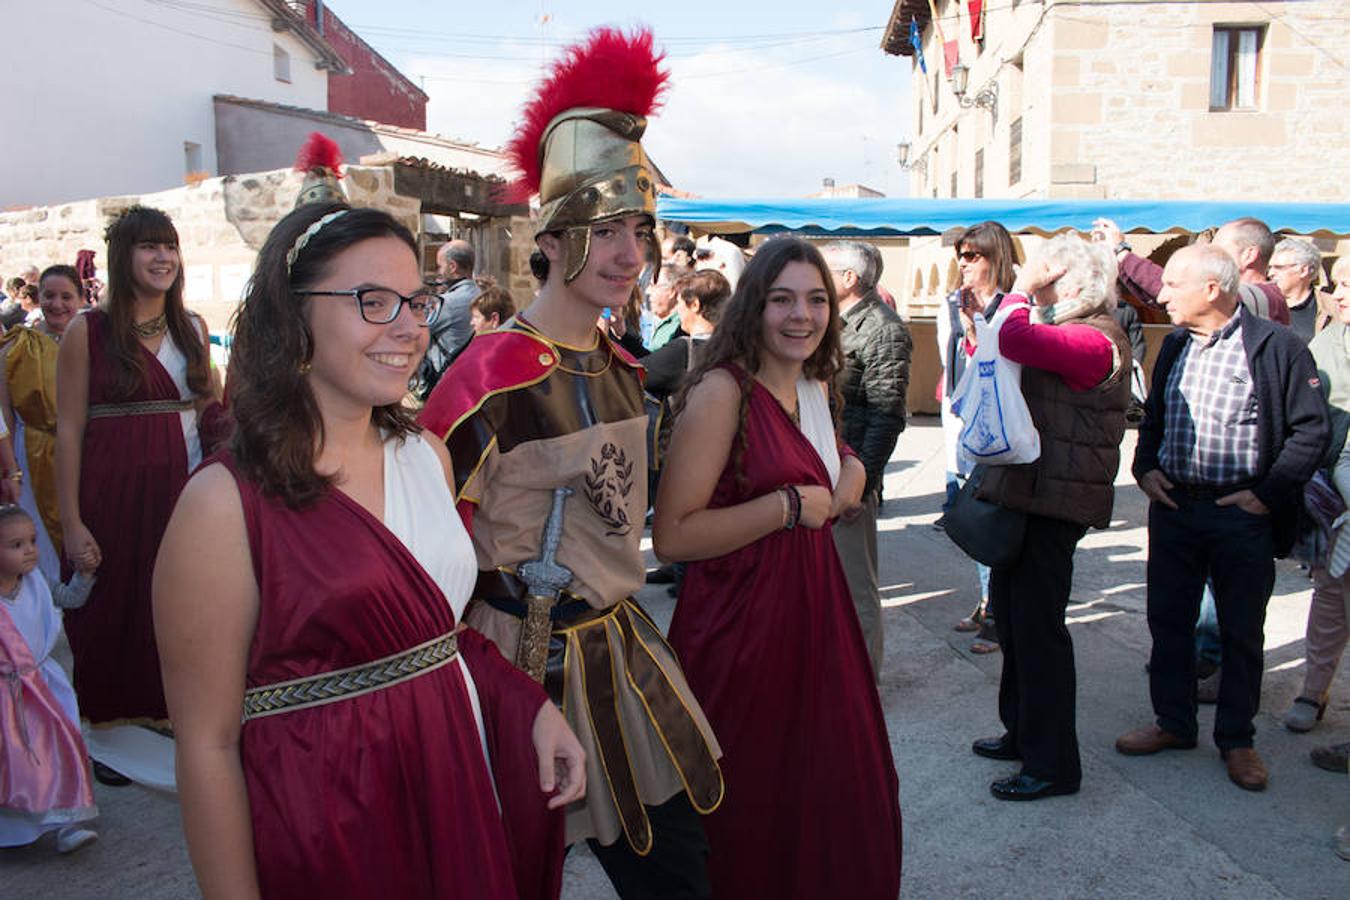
(45, 781)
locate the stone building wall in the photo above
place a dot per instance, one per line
(1131, 116)
(1114, 104)
(1015, 60)
(1113, 100)
(520, 281)
(221, 222)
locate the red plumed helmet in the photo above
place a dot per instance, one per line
(321, 161)
(609, 70)
(319, 152)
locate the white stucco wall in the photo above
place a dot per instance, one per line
(110, 90)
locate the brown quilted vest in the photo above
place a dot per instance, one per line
(1080, 443)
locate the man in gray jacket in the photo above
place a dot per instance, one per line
(877, 350)
(453, 328)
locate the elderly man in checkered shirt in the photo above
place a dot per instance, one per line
(1234, 425)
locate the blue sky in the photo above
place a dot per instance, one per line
(767, 98)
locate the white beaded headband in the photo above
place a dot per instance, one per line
(308, 233)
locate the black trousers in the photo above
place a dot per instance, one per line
(1037, 694)
(677, 866)
(1235, 549)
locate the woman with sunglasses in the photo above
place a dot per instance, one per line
(133, 381)
(311, 581)
(986, 258)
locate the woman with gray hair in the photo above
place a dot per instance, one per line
(1294, 266)
(1075, 379)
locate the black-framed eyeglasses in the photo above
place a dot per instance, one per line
(969, 255)
(380, 306)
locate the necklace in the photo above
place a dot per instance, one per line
(559, 347)
(151, 327)
(609, 359)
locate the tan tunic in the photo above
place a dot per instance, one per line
(583, 426)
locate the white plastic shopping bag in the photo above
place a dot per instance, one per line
(996, 426)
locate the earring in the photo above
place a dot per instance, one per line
(306, 352)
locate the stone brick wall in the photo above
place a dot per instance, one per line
(222, 222)
(1114, 103)
(520, 280)
(1130, 104)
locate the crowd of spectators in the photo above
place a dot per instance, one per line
(1241, 453)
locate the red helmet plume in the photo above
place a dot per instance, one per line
(319, 152)
(610, 70)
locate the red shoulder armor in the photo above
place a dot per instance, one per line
(491, 364)
(627, 359)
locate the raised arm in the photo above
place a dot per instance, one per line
(206, 610)
(1079, 354)
(72, 412)
(684, 528)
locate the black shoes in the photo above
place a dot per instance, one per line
(109, 776)
(996, 748)
(1025, 787)
(1017, 787)
(662, 575)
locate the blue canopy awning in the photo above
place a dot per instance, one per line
(888, 218)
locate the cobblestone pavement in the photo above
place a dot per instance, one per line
(1154, 827)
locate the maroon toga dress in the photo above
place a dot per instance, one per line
(772, 647)
(383, 793)
(132, 468)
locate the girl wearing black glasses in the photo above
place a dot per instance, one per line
(311, 582)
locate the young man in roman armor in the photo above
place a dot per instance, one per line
(545, 425)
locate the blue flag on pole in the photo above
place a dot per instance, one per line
(916, 41)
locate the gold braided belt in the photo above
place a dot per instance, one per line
(138, 408)
(329, 687)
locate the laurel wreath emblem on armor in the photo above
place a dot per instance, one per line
(608, 486)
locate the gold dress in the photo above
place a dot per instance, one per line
(30, 371)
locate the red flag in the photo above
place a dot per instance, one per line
(976, 8)
(951, 53)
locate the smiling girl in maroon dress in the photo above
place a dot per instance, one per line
(311, 580)
(765, 627)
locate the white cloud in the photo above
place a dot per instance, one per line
(474, 100)
(741, 123)
(737, 122)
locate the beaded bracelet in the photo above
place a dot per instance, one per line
(794, 499)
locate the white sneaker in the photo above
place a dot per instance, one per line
(1303, 715)
(73, 837)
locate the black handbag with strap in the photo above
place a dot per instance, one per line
(988, 533)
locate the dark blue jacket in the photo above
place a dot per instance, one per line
(1291, 416)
